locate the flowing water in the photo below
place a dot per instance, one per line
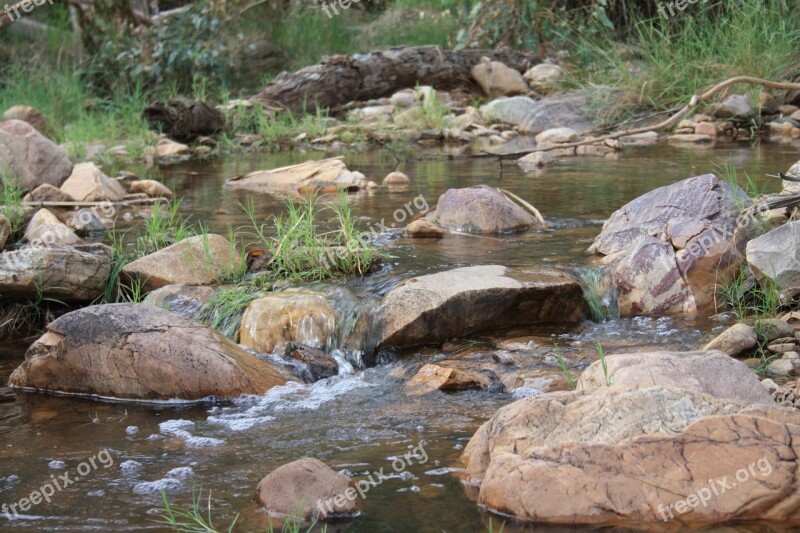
(362, 421)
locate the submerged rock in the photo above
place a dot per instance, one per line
(320, 365)
(88, 183)
(327, 175)
(437, 307)
(438, 377)
(480, 209)
(709, 372)
(272, 321)
(308, 489)
(775, 258)
(198, 260)
(136, 351)
(30, 157)
(66, 273)
(672, 246)
(637, 456)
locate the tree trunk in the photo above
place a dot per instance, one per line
(342, 79)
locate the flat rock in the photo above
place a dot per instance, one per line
(30, 157)
(437, 307)
(627, 457)
(136, 351)
(152, 188)
(480, 209)
(709, 372)
(66, 273)
(433, 377)
(327, 175)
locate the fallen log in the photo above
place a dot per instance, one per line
(341, 79)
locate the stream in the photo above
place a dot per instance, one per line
(361, 421)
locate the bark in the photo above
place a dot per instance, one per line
(342, 79)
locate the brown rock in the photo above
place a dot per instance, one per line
(454, 303)
(5, 231)
(436, 377)
(184, 300)
(734, 341)
(320, 365)
(140, 352)
(29, 114)
(690, 138)
(199, 260)
(327, 175)
(87, 183)
(45, 228)
(497, 79)
(536, 161)
(308, 488)
(710, 372)
(30, 157)
(480, 209)
(706, 128)
(294, 315)
(423, 228)
(47, 193)
(169, 148)
(628, 457)
(66, 273)
(396, 179)
(152, 188)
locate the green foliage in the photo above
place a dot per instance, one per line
(565, 369)
(11, 203)
(602, 355)
(302, 249)
(741, 295)
(224, 310)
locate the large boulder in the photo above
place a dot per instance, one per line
(479, 209)
(617, 457)
(88, 183)
(198, 260)
(713, 373)
(272, 321)
(136, 351)
(30, 157)
(308, 489)
(436, 307)
(775, 257)
(327, 175)
(67, 273)
(672, 246)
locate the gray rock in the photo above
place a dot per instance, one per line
(735, 106)
(775, 257)
(480, 209)
(30, 157)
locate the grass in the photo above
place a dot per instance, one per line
(225, 309)
(602, 355)
(666, 62)
(307, 247)
(569, 376)
(600, 296)
(432, 114)
(11, 206)
(747, 299)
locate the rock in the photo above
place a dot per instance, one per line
(47, 193)
(454, 303)
(769, 385)
(630, 457)
(437, 377)
(66, 273)
(660, 265)
(136, 351)
(396, 179)
(320, 365)
(785, 348)
(87, 183)
(169, 148)
(309, 490)
(45, 228)
(556, 136)
(497, 79)
(199, 260)
(5, 231)
(709, 372)
(152, 188)
(30, 157)
(690, 138)
(512, 110)
(775, 257)
(535, 160)
(767, 103)
(403, 99)
(784, 367)
(272, 321)
(31, 115)
(706, 128)
(480, 209)
(735, 106)
(327, 175)
(783, 130)
(734, 341)
(423, 228)
(648, 137)
(543, 77)
(183, 300)
(772, 329)
(184, 119)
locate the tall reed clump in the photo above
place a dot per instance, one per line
(310, 242)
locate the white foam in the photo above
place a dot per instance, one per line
(154, 487)
(181, 472)
(57, 465)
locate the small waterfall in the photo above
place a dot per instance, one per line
(356, 332)
(599, 291)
